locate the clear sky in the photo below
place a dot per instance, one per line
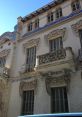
(11, 9)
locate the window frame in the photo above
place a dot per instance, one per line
(58, 13)
(30, 26)
(29, 94)
(55, 44)
(30, 58)
(60, 99)
(36, 23)
(75, 3)
(50, 17)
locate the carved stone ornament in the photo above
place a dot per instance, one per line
(4, 52)
(77, 26)
(31, 43)
(56, 33)
(24, 86)
(60, 79)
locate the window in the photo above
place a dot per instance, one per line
(75, 5)
(30, 27)
(58, 13)
(59, 101)
(56, 44)
(2, 61)
(80, 34)
(31, 58)
(28, 102)
(37, 23)
(50, 17)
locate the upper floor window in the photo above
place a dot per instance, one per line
(50, 17)
(28, 102)
(58, 13)
(31, 58)
(30, 27)
(56, 44)
(37, 23)
(75, 5)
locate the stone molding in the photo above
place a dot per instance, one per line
(76, 27)
(57, 79)
(4, 52)
(56, 34)
(29, 85)
(31, 43)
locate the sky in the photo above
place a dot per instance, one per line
(10, 10)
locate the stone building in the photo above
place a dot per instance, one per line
(46, 72)
(7, 45)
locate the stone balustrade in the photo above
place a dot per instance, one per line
(55, 56)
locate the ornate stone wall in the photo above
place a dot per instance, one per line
(4, 97)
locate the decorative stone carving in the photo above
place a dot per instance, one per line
(56, 33)
(4, 52)
(32, 42)
(27, 86)
(77, 26)
(52, 80)
(52, 56)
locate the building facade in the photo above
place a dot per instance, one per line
(46, 72)
(6, 58)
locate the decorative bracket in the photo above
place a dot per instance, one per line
(76, 27)
(31, 43)
(56, 34)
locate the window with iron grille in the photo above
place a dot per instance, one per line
(80, 35)
(56, 44)
(31, 59)
(50, 17)
(37, 23)
(28, 102)
(58, 13)
(75, 5)
(30, 27)
(59, 101)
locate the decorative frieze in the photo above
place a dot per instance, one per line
(31, 43)
(29, 85)
(4, 52)
(61, 79)
(77, 26)
(52, 56)
(56, 33)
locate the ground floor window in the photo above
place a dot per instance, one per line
(59, 101)
(28, 102)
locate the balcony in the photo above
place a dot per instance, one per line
(60, 59)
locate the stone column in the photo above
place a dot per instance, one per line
(42, 98)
